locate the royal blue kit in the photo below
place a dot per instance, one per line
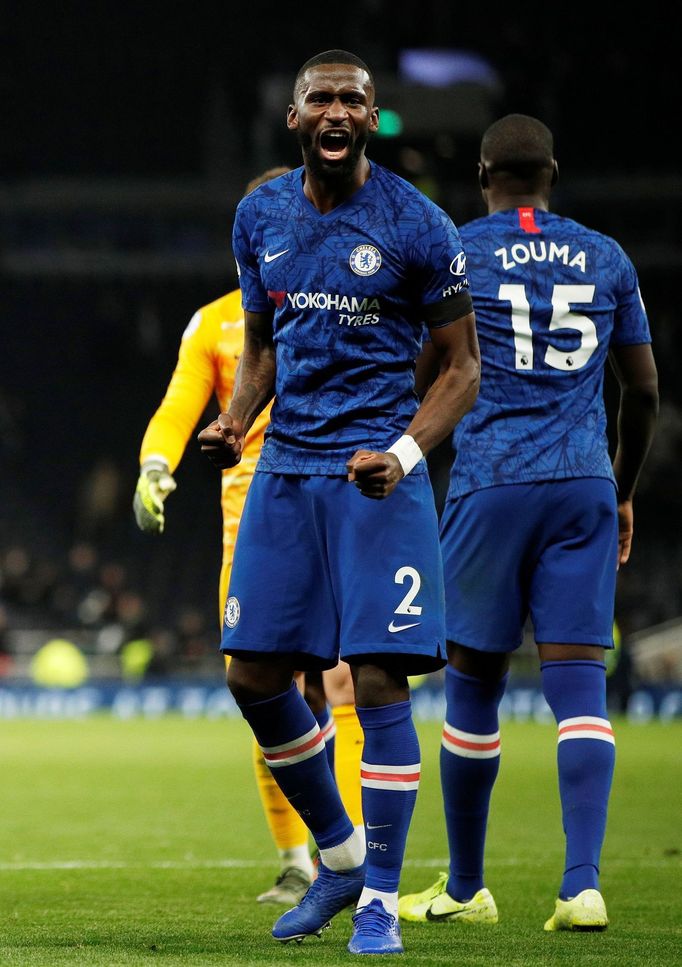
(321, 570)
(547, 550)
(552, 297)
(351, 291)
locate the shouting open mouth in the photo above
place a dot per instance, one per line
(334, 144)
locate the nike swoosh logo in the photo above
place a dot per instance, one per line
(393, 627)
(380, 826)
(271, 258)
(444, 916)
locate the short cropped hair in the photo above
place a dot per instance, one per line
(332, 57)
(518, 144)
(266, 176)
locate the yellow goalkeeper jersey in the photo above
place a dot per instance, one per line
(207, 362)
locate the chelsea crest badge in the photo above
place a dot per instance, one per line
(365, 260)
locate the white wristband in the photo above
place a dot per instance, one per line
(407, 452)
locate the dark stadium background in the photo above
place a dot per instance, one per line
(128, 136)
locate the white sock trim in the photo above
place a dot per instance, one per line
(586, 727)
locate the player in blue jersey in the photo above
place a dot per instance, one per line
(341, 263)
(537, 520)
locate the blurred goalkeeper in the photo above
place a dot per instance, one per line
(207, 363)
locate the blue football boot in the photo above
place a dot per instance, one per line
(375, 931)
(330, 892)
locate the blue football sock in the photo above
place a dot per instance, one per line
(469, 763)
(576, 693)
(325, 720)
(389, 774)
(294, 750)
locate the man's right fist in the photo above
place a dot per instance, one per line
(154, 484)
(222, 441)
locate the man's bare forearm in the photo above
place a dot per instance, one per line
(254, 388)
(635, 370)
(454, 391)
(254, 384)
(636, 425)
(451, 396)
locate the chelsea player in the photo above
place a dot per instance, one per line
(341, 262)
(537, 520)
(207, 363)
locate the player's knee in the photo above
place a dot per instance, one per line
(257, 681)
(380, 684)
(550, 652)
(338, 685)
(314, 692)
(240, 682)
(489, 666)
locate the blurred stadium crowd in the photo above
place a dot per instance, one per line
(116, 212)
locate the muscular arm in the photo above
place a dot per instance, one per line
(255, 381)
(450, 396)
(223, 439)
(635, 371)
(426, 369)
(455, 388)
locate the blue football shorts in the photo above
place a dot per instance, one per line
(548, 550)
(320, 572)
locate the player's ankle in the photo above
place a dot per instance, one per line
(297, 856)
(348, 855)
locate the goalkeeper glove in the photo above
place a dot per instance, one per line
(154, 484)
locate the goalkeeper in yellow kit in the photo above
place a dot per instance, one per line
(207, 363)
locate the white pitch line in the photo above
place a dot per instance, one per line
(235, 864)
(228, 864)
(114, 865)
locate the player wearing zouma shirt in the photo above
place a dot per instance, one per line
(341, 262)
(537, 519)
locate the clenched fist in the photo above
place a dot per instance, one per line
(376, 475)
(222, 441)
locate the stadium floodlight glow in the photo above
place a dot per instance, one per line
(390, 124)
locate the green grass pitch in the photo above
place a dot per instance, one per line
(140, 842)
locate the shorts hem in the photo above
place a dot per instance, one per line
(303, 660)
(413, 662)
(480, 646)
(597, 640)
(601, 641)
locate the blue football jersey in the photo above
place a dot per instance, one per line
(351, 290)
(551, 297)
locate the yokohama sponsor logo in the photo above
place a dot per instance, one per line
(331, 300)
